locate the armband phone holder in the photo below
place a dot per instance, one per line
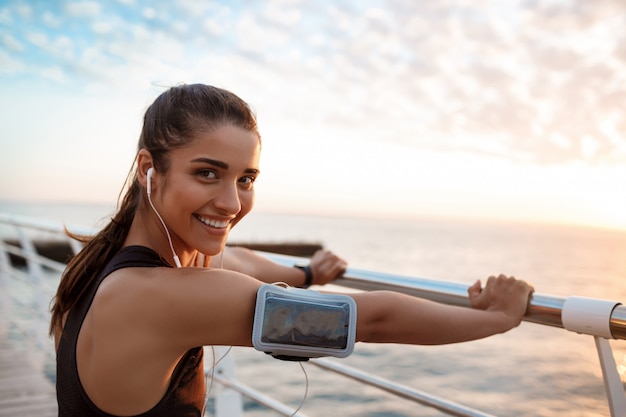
(296, 324)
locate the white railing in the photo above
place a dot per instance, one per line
(600, 319)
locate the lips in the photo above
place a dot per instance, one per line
(218, 224)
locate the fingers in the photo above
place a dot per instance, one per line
(502, 281)
(475, 289)
(501, 292)
(326, 266)
(474, 292)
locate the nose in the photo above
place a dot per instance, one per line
(228, 199)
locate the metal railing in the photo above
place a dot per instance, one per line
(601, 319)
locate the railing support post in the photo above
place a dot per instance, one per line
(612, 381)
(5, 291)
(39, 331)
(228, 402)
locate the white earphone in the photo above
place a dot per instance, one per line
(149, 179)
(167, 232)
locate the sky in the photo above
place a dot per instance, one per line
(500, 110)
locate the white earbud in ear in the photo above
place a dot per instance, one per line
(149, 175)
(169, 238)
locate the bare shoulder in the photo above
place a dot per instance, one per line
(154, 284)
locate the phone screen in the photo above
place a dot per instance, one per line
(300, 323)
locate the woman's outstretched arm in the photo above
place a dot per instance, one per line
(192, 307)
(390, 317)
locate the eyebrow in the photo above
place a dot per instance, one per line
(222, 164)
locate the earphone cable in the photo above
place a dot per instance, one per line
(167, 232)
(306, 390)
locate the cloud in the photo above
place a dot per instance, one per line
(83, 9)
(10, 65)
(24, 11)
(521, 89)
(49, 19)
(38, 39)
(572, 15)
(10, 42)
(527, 81)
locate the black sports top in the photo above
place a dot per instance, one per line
(184, 396)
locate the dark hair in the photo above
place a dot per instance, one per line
(172, 121)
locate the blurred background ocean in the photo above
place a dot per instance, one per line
(530, 371)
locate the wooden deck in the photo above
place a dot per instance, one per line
(24, 392)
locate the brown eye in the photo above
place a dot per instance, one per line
(247, 181)
(209, 174)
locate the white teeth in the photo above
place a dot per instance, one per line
(212, 223)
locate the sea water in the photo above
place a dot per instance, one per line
(530, 371)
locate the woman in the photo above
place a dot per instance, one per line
(133, 309)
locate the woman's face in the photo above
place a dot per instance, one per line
(210, 187)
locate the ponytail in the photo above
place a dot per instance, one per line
(83, 268)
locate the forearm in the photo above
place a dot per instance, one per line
(294, 277)
(246, 261)
(388, 317)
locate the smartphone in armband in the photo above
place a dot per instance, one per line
(297, 324)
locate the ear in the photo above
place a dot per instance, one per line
(144, 163)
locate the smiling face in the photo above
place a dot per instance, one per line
(208, 188)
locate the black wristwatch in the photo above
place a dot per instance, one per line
(308, 273)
